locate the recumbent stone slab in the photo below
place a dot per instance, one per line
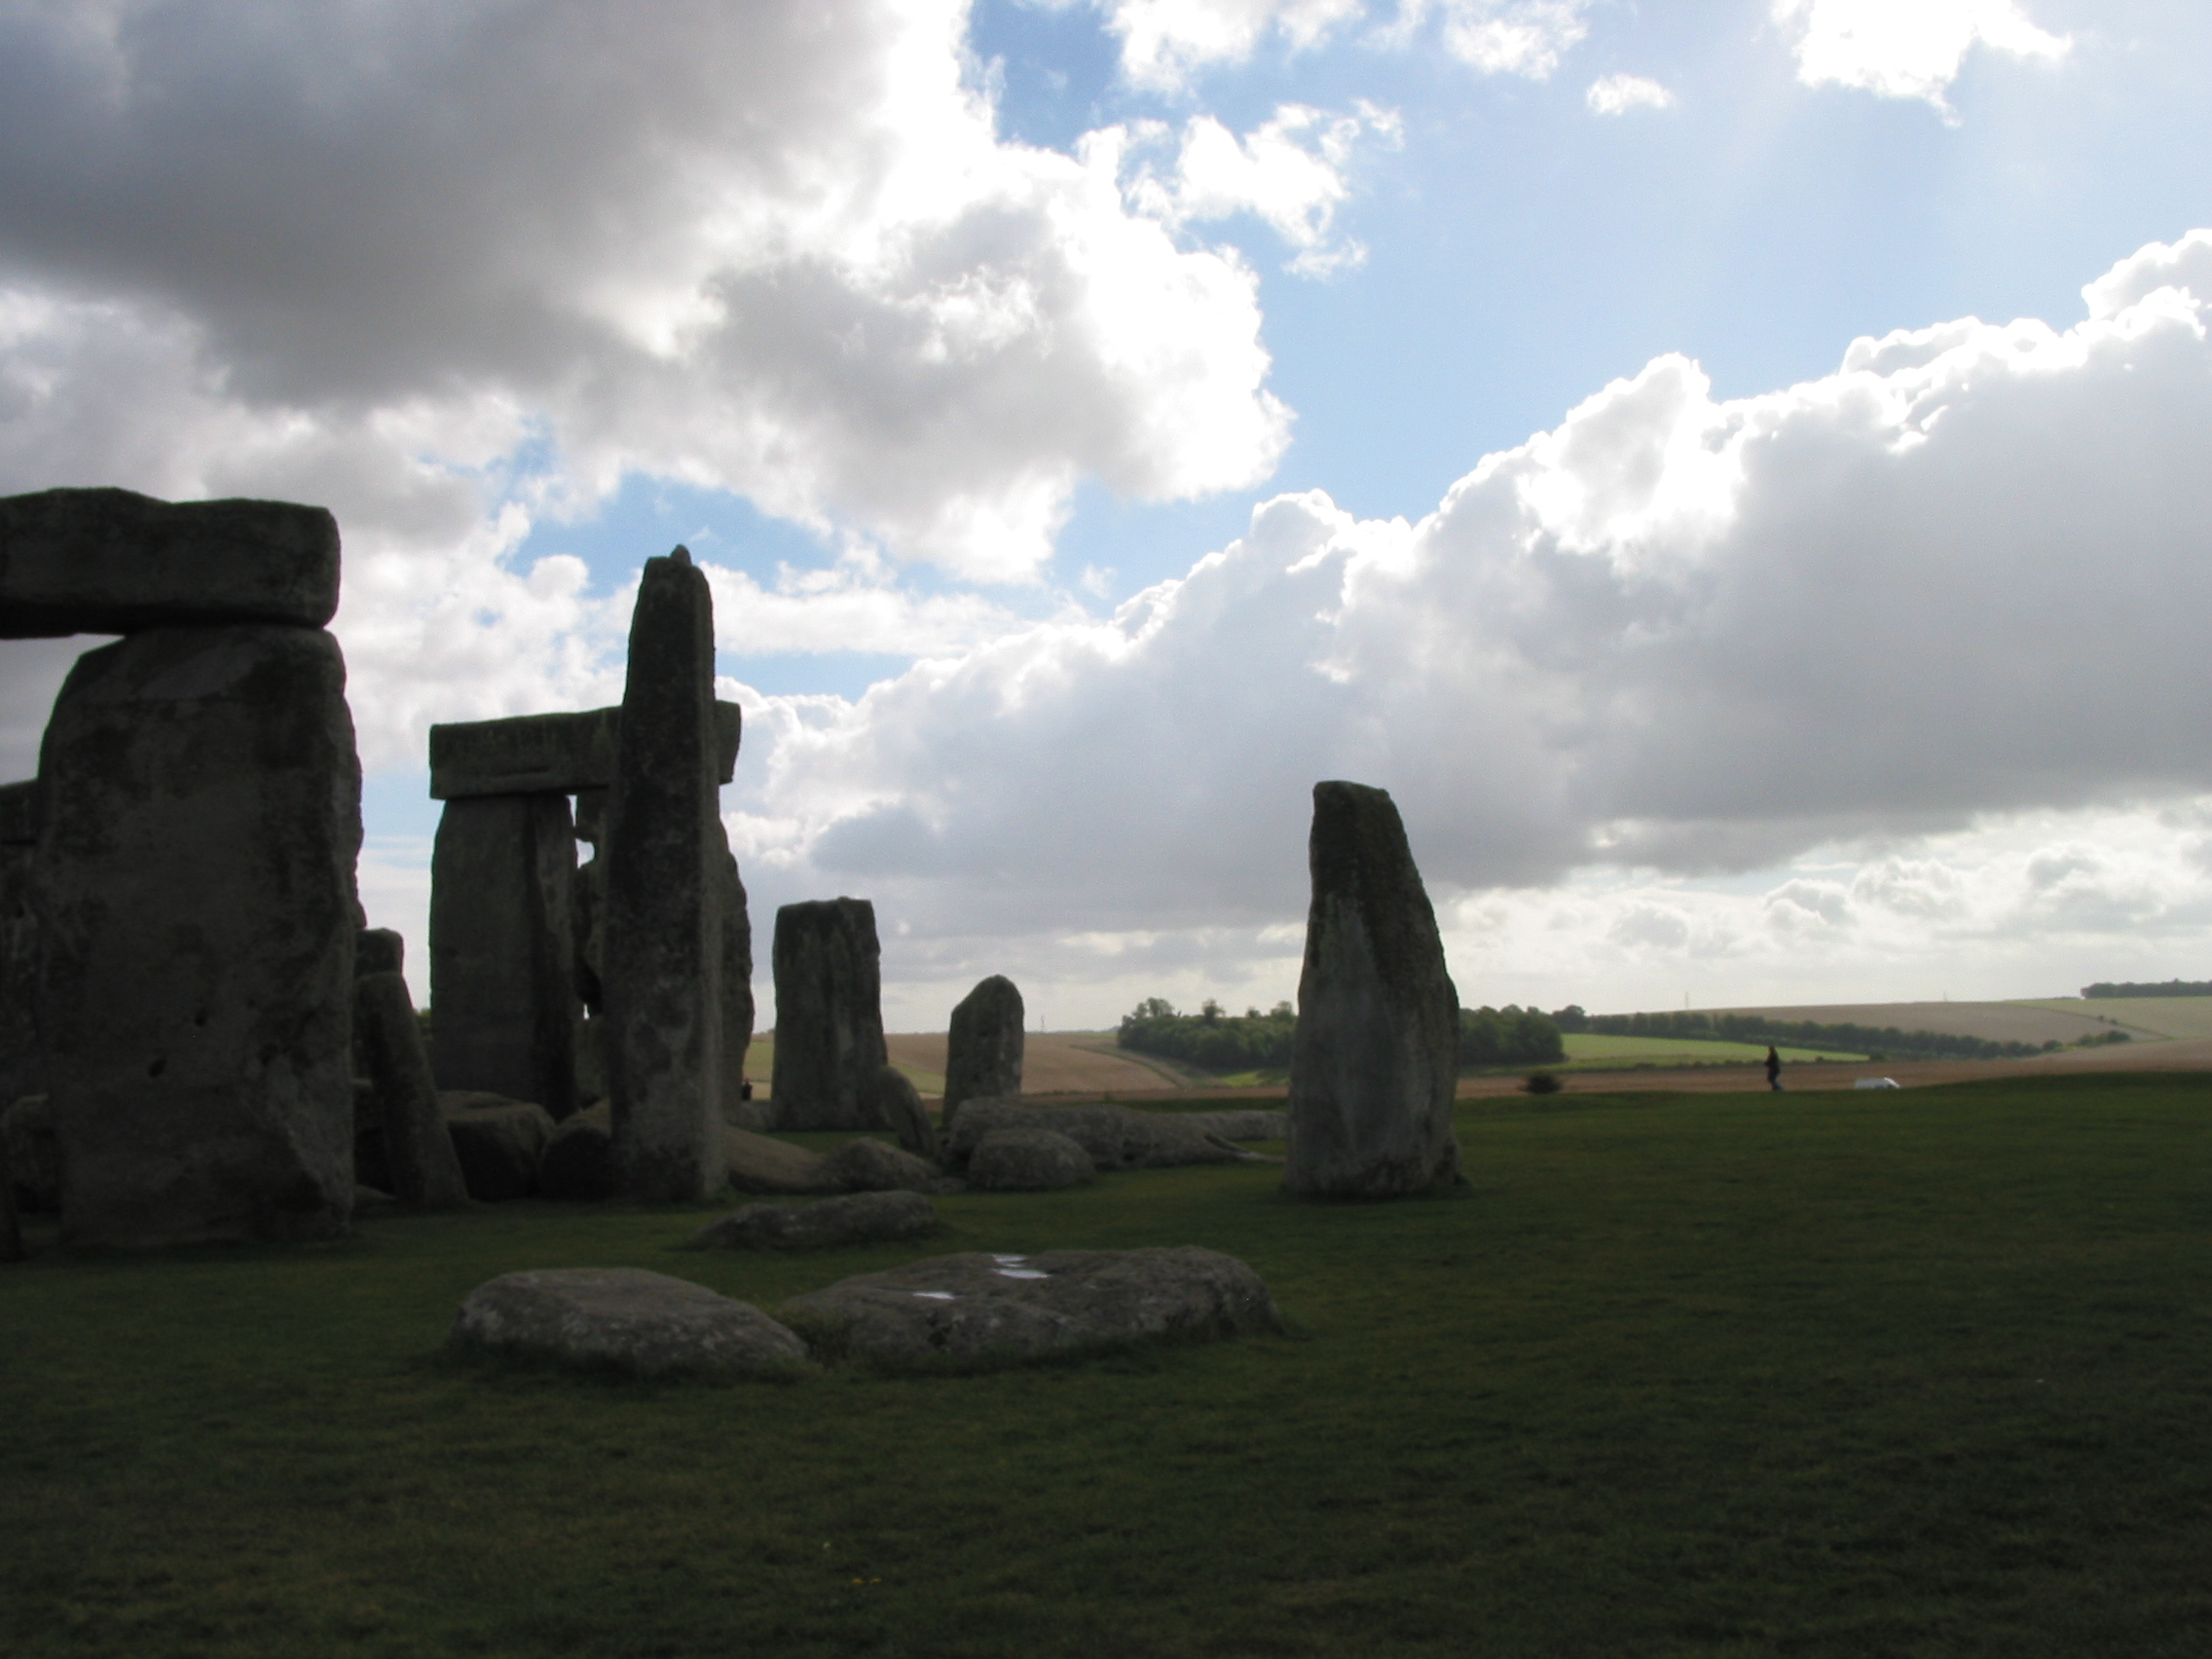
(858, 1218)
(1376, 1057)
(982, 1054)
(114, 562)
(622, 1320)
(500, 1143)
(977, 1307)
(1115, 1136)
(828, 1015)
(663, 946)
(195, 883)
(1028, 1161)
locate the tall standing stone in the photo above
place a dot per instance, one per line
(982, 1054)
(426, 1170)
(201, 806)
(663, 945)
(502, 952)
(737, 984)
(828, 1015)
(22, 1067)
(1377, 1052)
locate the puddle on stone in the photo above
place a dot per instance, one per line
(1021, 1273)
(933, 1295)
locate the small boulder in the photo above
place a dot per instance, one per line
(900, 1105)
(1027, 1161)
(1244, 1126)
(34, 1156)
(977, 1307)
(622, 1320)
(871, 1166)
(1117, 1137)
(500, 1143)
(858, 1218)
(761, 1164)
(579, 1160)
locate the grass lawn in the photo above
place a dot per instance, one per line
(1589, 1051)
(1924, 1373)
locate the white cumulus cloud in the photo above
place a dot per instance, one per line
(1619, 94)
(1163, 42)
(1906, 49)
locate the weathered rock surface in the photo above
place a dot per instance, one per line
(502, 956)
(869, 1167)
(579, 1160)
(501, 1144)
(1027, 1161)
(548, 753)
(828, 1015)
(664, 946)
(977, 1307)
(1117, 1137)
(858, 1218)
(1377, 1053)
(1252, 1124)
(114, 562)
(379, 950)
(34, 1156)
(622, 1320)
(898, 1103)
(761, 1164)
(23, 1064)
(11, 1225)
(417, 1151)
(983, 1054)
(195, 889)
(737, 977)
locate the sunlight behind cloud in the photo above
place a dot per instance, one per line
(1906, 49)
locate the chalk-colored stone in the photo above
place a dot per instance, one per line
(828, 1015)
(195, 882)
(112, 562)
(1377, 1052)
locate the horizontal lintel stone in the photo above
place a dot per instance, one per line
(114, 562)
(547, 753)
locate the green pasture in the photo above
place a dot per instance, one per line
(1923, 1372)
(1587, 1050)
(2161, 1016)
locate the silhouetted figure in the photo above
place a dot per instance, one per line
(1773, 1069)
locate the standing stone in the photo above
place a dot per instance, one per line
(663, 947)
(195, 892)
(982, 1056)
(419, 1154)
(22, 1067)
(828, 1015)
(379, 950)
(737, 984)
(1377, 1053)
(898, 1103)
(10, 1228)
(589, 898)
(502, 956)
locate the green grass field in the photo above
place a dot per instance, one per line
(1587, 1050)
(2162, 1016)
(1838, 1375)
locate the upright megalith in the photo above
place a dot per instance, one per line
(982, 1054)
(112, 562)
(1375, 1057)
(23, 1068)
(828, 1015)
(663, 945)
(193, 883)
(502, 952)
(426, 1170)
(737, 984)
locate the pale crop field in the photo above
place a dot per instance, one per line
(2162, 1016)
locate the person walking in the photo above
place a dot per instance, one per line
(1773, 1069)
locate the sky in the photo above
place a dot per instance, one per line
(1735, 470)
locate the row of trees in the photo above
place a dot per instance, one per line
(1219, 1041)
(2171, 989)
(1880, 1042)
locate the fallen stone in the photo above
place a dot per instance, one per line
(1016, 1307)
(869, 1167)
(1027, 1161)
(858, 1218)
(579, 1160)
(34, 1157)
(1246, 1126)
(663, 946)
(1117, 1137)
(900, 1105)
(761, 1164)
(982, 1056)
(502, 956)
(114, 562)
(548, 753)
(622, 1320)
(828, 1015)
(1376, 1057)
(500, 1145)
(195, 889)
(424, 1169)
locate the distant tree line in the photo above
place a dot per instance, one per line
(2171, 989)
(1219, 1041)
(1879, 1042)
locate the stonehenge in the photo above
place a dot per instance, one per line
(982, 1056)
(1377, 1050)
(828, 1017)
